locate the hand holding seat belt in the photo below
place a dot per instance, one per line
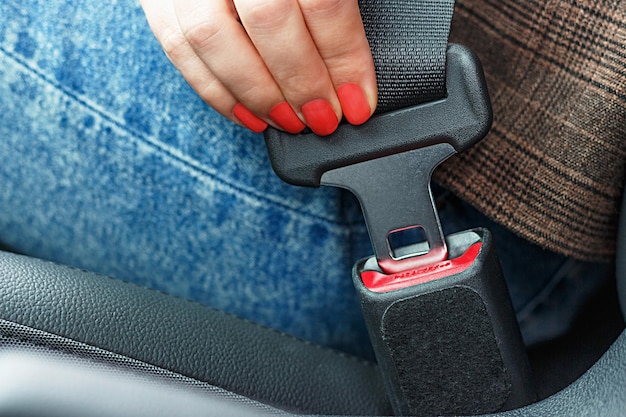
(438, 312)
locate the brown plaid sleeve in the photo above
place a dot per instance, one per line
(552, 167)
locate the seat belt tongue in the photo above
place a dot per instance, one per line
(394, 192)
(388, 162)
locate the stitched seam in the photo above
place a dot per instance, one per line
(136, 366)
(258, 325)
(165, 151)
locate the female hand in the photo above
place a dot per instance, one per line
(283, 62)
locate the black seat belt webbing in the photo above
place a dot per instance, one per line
(409, 40)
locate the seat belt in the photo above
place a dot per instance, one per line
(437, 308)
(408, 40)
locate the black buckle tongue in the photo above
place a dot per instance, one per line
(394, 192)
(388, 162)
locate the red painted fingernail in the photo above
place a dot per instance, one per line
(286, 118)
(320, 117)
(248, 118)
(354, 104)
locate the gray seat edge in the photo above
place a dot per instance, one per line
(187, 338)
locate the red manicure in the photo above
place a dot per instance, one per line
(355, 107)
(286, 118)
(320, 117)
(248, 118)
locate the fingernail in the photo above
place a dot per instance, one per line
(248, 119)
(286, 118)
(354, 104)
(320, 117)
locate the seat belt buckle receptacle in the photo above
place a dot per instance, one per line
(445, 335)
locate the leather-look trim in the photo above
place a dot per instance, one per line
(187, 338)
(40, 372)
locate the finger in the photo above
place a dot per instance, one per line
(212, 30)
(280, 35)
(337, 30)
(162, 20)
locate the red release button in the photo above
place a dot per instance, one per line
(380, 282)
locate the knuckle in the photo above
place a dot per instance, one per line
(298, 86)
(348, 64)
(213, 95)
(266, 13)
(173, 42)
(253, 95)
(204, 33)
(210, 91)
(321, 6)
